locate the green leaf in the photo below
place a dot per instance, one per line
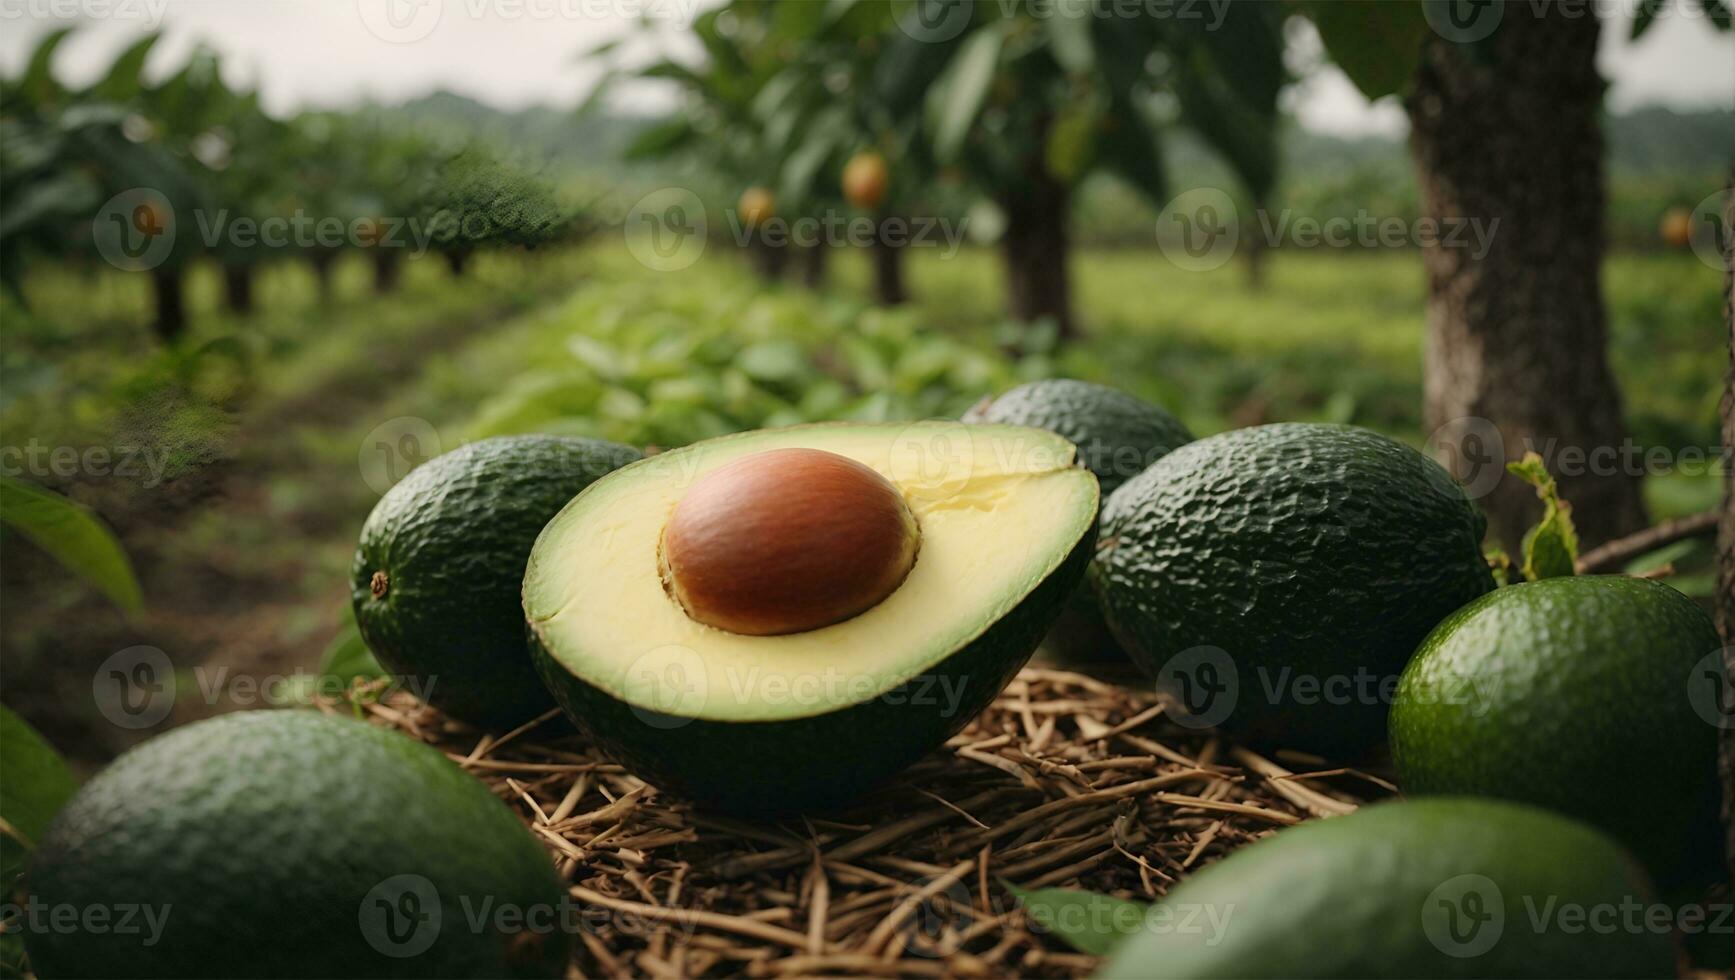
(1378, 45)
(957, 98)
(38, 82)
(1718, 13)
(125, 77)
(1090, 923)
(74, 536)
(348, 657)
(1551, 547)
(1069, 36)
(1645, 15)
(34, 784)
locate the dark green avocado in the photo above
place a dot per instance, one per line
(435, 579)
(1449, 887)
(814, 718)
(292, 844)
(1574, 694)
(1274, 580)
(1117, 436)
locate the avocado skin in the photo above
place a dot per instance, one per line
(1345, 897)
(1300, 550)
(821, 761)
(263, 833)
(453, 537)
(1571, 694)
(1117, 436)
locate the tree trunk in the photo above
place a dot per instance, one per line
(322, 261)
(1036, 252)
(1517, 333)
(456, 260)
(238, 288)
(171, 302)
(815, 260)
(387, 266)
(1255, 252)
(1726, 526)
(888, 262)
(768, 260)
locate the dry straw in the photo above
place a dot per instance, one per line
(1064, 782)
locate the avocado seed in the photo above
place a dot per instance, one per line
(786, 541)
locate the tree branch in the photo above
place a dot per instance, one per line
(1622, 550)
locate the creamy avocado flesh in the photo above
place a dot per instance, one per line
(998, 508)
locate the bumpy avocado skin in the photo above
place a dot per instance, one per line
(824, 760)
(452, 539)
(1355, 896)
(1308, 554)
(1117, 436)
(1572, 694)
(264, 834)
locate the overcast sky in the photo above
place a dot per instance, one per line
(514, 53)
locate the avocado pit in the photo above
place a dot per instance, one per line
(787, 541)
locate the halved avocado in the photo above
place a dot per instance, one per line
(1003, 525)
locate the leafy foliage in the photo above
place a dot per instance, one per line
(1551, 547)
(34, 783)
(1090, 923)
(74, 536)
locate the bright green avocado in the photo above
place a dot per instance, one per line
(435, 579)
(1573, 694)
(812, 718)
(292, 844)
(1274, 580)
(1428, 888)
(1117, 436)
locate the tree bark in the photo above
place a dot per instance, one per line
(1517, 332)
(322, 261)
(456, 260)
(238, 288)
(888, 262)
(1036, 250)
(387, 267)
(171, 302)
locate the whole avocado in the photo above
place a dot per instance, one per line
(290, 843)
(1446, 887)
(1574, 694)
(1117, 436)
(436, 575)
(1276, 579)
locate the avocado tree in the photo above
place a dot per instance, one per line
(1505, 113)
(475, 199)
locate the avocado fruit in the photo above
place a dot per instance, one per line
(1447, 887)
(817, 710)
(1117, 436)
(1274, 580)
(434, 583)
(291, 843)
(1572, 694)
